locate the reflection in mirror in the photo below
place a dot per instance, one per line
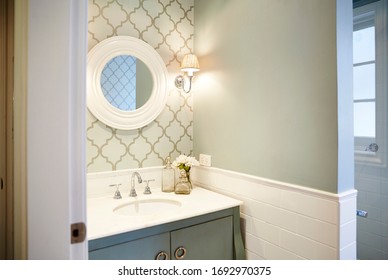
(126, 82)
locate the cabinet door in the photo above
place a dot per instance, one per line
(141, 249)
(208, 241)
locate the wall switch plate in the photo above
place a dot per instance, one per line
(205, 160)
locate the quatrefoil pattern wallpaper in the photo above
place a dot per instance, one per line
(168, 26)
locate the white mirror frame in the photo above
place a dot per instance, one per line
(100, 107)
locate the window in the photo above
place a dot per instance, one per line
(364, 81)
(369, 80)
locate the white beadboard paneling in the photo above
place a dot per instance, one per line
(235, 183)
(312, 206)
(305, 247)
(274, 252)
(255, 244)
(349, 252)
(285, 221)
(252, 256)
(348, 210)
(318, 230)
(282, 218)
(265, 231)
(348, 233)
(254, 208)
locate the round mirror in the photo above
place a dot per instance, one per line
(126, 82)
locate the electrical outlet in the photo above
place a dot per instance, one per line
(205, 160)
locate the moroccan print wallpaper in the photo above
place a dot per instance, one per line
(167, 25)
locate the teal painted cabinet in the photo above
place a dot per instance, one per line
(214, 236)
(140, 249)
(208, 241)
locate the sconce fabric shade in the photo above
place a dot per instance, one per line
(190, 64)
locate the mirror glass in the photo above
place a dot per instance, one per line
(126, 82)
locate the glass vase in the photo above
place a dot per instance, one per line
(183, 186)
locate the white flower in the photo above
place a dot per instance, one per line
(182, 159)
(185, 162)
(191, 161)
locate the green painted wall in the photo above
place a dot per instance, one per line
(266, 97)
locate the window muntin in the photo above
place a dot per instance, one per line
(364, 80)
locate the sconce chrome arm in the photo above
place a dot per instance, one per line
(180, 82)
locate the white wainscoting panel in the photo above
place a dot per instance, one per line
(285, 221)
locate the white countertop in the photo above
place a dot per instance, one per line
(103, 221)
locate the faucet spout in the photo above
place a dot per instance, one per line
(139, 179)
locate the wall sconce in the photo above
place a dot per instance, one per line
(189, 65)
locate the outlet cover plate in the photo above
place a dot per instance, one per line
(205, 160)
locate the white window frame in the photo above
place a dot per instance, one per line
(362, 18)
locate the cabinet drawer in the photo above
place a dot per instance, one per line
(140, 249)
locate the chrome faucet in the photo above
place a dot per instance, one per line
(133, 193)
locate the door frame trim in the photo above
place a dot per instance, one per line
(9, 126)
(20, 129)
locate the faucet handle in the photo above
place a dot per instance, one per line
(147, 189)
(117, 192)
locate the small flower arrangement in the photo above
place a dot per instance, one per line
(185, 162)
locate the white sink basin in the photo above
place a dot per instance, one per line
(148, 207)
(108, 216)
